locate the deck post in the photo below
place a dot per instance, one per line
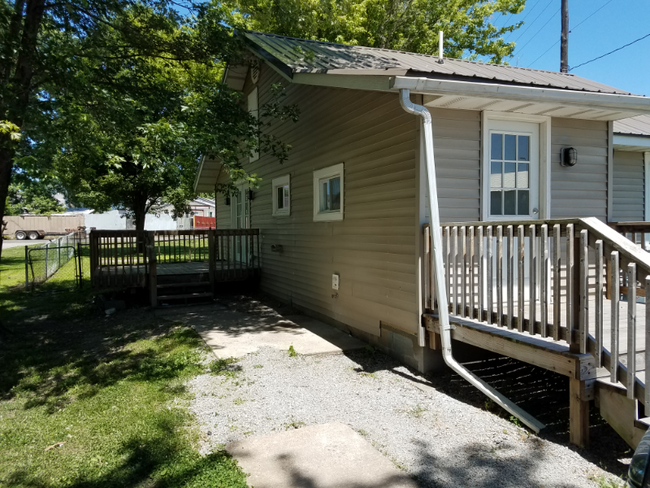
(153, 276)
(212, 257)
(578, 400)
(578, 413)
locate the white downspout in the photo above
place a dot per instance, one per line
(437, 265)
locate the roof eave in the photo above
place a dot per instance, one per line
(422, 85)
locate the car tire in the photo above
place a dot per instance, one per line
(33, 235)
(21, 235)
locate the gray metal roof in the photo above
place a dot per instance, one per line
(636, 126)
(304, 56)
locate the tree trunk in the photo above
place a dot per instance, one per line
(139, 211)
(6, 161)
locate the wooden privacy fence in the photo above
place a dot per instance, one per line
(559, 279)
(125, 258)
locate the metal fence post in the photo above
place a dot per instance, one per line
(26, 267)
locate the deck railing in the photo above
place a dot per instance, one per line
(637, 232)
(559, 279)
(132, 258)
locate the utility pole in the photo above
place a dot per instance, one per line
(564, 55)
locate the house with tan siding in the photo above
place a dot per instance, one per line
(341, 221)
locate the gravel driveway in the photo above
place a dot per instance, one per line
(430, 427)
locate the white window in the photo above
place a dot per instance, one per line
(328, 193)
(281, 196)
(254, 110)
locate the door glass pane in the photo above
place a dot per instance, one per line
(509, 202)
(524, 148)
(495, 203)
(497, 146)
(511, 147)
(509, 175)
(523, 205)
(522, 175)
(495, 176)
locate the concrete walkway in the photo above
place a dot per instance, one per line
(318, 456)
(234, 334)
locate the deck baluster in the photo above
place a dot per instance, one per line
(499, 275)
(616, 293)
(647, 344)
(521, 278)
(447, 255)
(454, 271)
(490, 276)
(631, 329)
(570, 274)
(543, 292)
(600, 290)
(471, 271)
(533, 279)
(557, 266)
(481, 272)
(511, 275)
(583, 320)
(463, 271)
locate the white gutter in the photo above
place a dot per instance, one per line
(528, 93)
(437, 266)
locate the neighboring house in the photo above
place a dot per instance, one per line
(341, 219)
(631, 141)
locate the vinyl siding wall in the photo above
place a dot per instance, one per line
(629, 187)
(373, 248)
(581, 190)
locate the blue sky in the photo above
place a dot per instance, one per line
(597, 27)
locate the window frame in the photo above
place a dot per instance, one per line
(328, 173)
(280, 182)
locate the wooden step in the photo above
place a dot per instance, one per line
(185, 296)
(192, 284)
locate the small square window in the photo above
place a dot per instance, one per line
(281, 196)
(328, 193)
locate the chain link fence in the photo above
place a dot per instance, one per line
(58, 263)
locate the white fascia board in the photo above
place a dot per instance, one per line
(631, 141)
(354, 82)
(632, 103)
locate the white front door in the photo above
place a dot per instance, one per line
(511, 186)
(240, 220)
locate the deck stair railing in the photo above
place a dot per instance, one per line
(562, 280)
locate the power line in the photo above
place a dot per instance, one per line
(540, 30)
(525, 16)
(570, 31)
(533, 22)
(611, 52)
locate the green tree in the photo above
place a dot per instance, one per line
(410, 25)
(119, 97)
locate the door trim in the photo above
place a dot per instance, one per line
(544, 181)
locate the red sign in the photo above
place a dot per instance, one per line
(204, 222)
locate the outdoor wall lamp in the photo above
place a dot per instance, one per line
(569, 156)
(227, 200)
(251, 195)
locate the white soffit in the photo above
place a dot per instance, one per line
(524, 107)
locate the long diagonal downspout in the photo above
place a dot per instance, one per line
(437, 265)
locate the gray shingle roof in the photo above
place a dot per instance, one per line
(637, 126)
(304, 56)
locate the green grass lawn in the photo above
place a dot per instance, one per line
(107, 392)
